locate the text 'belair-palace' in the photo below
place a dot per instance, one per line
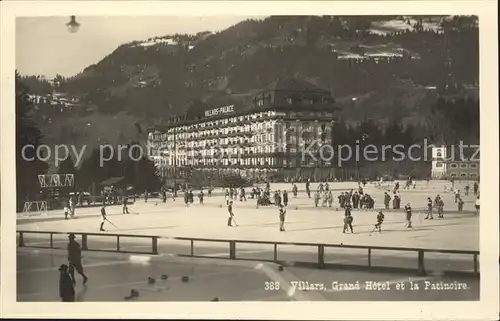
(264, 134)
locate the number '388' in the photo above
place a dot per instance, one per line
(271, 286)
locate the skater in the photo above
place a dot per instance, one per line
(467, 187)
(330, 198)
(396, 202)
(316, 198)
(285, 198)
(124, 203)
(355, 199)
(231, 192)
(210, 191)
(387, 199)
(282, 213)
(186, 198)
(200, 197)
(231, 214)
(408, 215)
(308, 188)
(164, 196)
(191, 196)
(348, 219)
(242, 195)
(477, 205)
(429, 209)
(341, 199)
(460, 205)
(66, 285)
(476, 188)
(294, 190)
(103, 217)
(227, 197)
(66, 210)
(72, 205)
(457, 195)
(380, 220)
(146, 196)
(277, 198)
(75, 258)
(324, 199)
(440, 207)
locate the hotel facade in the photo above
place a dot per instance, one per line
(448, 162)
(278, 132)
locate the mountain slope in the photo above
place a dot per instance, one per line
(393, 66)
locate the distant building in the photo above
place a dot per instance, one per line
(255, 138)
(449, 162)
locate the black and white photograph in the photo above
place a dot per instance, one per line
(258, 156)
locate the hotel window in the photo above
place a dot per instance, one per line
(463, 165)
(289, 100)
(453, 166)
(463, 174)
(473, 166)
(472, 175)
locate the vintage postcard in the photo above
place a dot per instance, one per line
(177, 159)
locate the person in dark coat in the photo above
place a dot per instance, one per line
(285, 198)
(75, 258)
(66, 285)
(355, 200)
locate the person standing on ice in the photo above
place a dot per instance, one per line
(66, 285)
(230, 212)
(103, 217)
(124, 203)
(387, 199)
(460, 205)
(294, 190)
(408, 215)
(75, 258)
(285, 198)
(477, 205)
(467, 188)
(227, 197)
(429, 209)
(282, 213)
(348, 219)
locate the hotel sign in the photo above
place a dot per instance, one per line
(219, 111)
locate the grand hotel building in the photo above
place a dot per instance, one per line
(262, 137)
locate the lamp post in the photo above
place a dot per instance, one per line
(72, 25)
(363, 137)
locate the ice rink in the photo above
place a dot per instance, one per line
(37, 268)
(304, 222)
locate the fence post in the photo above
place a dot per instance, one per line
(21, 239)
(421, 266)
(369, 257)
(154, 240)
(118, 243)
(321, 256)
(232, 250)
(51, 240)
(275, 252)
(476, 267)
(84, 242)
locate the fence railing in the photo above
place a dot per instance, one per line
(153, 248)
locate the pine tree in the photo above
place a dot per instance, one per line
(28, 166)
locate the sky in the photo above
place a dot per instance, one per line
(44, 46)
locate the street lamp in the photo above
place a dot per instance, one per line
(72, 25)
(363, 138)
